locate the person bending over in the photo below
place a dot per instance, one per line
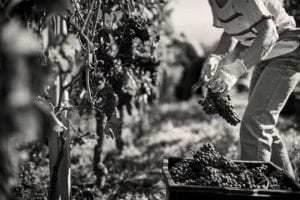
(268, 40)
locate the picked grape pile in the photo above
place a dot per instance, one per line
(210, 168)
(214, 103)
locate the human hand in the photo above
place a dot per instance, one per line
(222, 81)
(226, 76)
(210, 67)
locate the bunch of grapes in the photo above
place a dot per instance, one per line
(182, 172)
(134, 27)
(208, 156)
(149, 64)
(210, 168)
(108, 101)
(276, 180)
(139, 26)
(214, 103)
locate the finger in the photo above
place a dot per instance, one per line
(217, 90)
(205, 83)
(220, 88)
(226, 91)
(215, 83)
(213, 67)
(209, 75)
(206, 79)
(213, 78)
(204, 90)
(205, 71)
(197, 85)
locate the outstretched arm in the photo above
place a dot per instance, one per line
(225, 45)
(234, 54)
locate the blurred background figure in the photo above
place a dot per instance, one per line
(190, 55)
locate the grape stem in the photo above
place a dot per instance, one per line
(88, 16)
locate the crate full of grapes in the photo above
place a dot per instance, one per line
(210, 175)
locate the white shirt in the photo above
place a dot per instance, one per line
(238, 18)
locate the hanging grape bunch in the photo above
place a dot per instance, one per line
(214, 103)
(210, 168)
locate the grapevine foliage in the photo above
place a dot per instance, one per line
(215, 103)
(210, 168)
(121, 46)
(101, 55)
(120, 39)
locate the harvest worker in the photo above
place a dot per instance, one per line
(269, 38)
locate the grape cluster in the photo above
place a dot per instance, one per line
(276, 179)
(183, 172)
(148, 64)
(135, 59)
(210, 168)
(214, 103)
(108, 101)
(134, 27)
(208, 156)
(139, 26)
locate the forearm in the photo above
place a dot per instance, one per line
(225, 45)
(233, 54)
(262, 45)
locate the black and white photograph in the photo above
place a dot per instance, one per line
(149, 99)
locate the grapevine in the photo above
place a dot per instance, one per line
(210, 168)
(123, 67)
(215, 103)
(101, 57)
